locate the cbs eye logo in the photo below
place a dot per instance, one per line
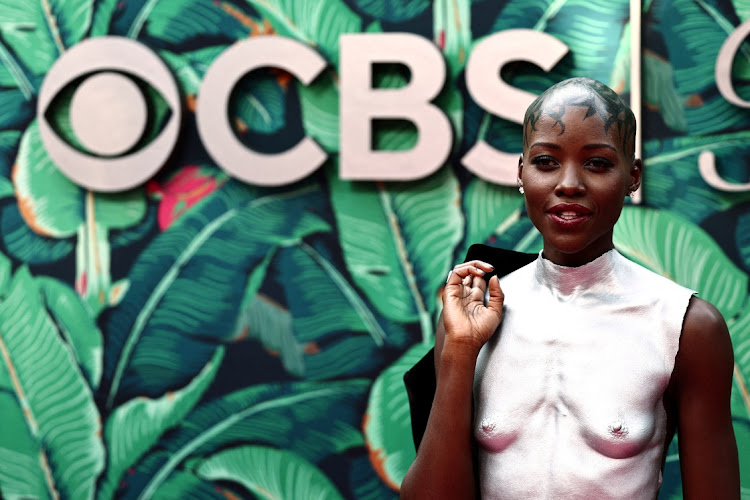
(108, 113)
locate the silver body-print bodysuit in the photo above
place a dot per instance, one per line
(568, 393)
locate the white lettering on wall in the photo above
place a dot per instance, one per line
(106, 55)
(723, 69)
(723, 72)
(496, 96)
(214, 126)
(361, 105)
(707, 169)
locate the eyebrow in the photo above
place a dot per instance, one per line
(546, 145)
(553, 145)
(599, 146)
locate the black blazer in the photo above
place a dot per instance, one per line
(420, 379)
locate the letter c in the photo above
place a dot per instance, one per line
(213, 98)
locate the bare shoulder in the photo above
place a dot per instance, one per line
(705, 344)
(704, 367)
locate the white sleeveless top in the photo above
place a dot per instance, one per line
(568, 393)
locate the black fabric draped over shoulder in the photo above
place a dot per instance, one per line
(420, 379)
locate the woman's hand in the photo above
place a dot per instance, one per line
(467, 320)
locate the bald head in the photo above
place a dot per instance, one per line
(597, 98)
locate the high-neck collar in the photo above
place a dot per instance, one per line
(567, 282)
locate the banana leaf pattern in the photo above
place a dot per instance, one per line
(197, 337)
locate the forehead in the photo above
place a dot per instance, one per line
(561, 122)
(577, 110)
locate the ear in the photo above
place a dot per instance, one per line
(636, 172)
(520, 170)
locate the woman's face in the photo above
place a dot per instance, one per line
(575, 183)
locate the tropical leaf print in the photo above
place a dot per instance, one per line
(324, 329)
(314, 23)
(264, 415)
(392, 11)
(39, 31)
(399, 273)
(693, 33)
(674, 182)
(54, 207)
(189, 67)
(172, 23)
(696, 31)
(318, 284)
(183, 189)
(13, 75)
(101, 17)
(659, 93)
(619, 80)
(76, 325)
(593, 42)
(521, 236)
(26, 245)
(452, 32)
(15, 111)
(489, 209)
(51, 204)
(183, 484)
(675, 248)
(271, 323)
(259, 104)
(387, 424)
(137, 425)
(269, 473)
(187, 285)
(177, 23)
(742, 9)
(499, 133)
(9, 140)
(319, 105)
(742, 236)
(366, 484)
(51, 426)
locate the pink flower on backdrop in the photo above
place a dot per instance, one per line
(181, 191)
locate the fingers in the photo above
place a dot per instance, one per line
(461, 272)
(497, 297)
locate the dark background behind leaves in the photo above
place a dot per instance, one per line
(199, 337)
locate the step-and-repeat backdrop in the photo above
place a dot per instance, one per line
(225, 224)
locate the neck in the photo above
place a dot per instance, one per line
(575, 259)
(567, 282)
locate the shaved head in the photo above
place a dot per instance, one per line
(597, 98)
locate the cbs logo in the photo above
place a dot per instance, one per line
(109, 116)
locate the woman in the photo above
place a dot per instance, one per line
(564, 380)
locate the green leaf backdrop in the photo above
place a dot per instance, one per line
(200, 338)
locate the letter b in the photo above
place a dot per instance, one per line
(361, 104)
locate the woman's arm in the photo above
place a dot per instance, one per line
(444, 465)
(704, 368)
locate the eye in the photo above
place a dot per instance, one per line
(599, 164)
(109, 113)
(544, 162)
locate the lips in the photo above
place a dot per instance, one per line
(569, 213)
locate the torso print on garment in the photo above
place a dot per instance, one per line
(568, 392)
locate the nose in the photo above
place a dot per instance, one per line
(570, 182)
